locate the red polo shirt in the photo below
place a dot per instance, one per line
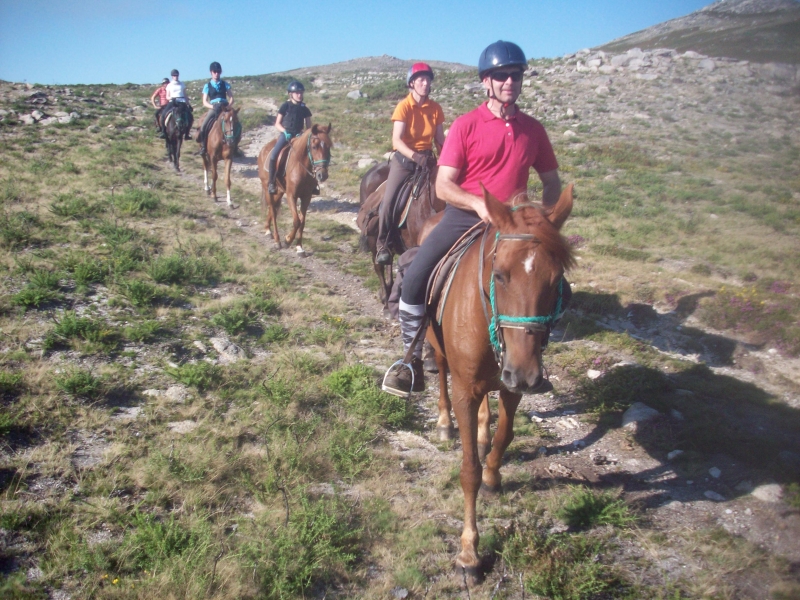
(497, 153)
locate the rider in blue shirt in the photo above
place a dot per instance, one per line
(217, 95)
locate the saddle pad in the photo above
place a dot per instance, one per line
(444, 272)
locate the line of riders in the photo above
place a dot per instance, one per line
(493, 146)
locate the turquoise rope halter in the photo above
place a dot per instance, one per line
(232, 137)
(498, 321)
(324, 162)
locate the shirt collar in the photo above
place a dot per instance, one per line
(415, 103)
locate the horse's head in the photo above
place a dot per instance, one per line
(231, 128)
(525, 287)
(319, 150)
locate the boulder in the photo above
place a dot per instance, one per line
(27, 119)
(595, 62)
(638, 412)
(37, 115)
(607, 69)
(355, 95)
(707, 65)
(770, 492)
(620, 60)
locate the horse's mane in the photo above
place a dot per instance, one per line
(534, 220)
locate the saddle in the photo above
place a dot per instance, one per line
(400, 206)
(176, 112)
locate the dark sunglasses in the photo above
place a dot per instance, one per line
(503, 75)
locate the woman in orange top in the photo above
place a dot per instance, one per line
(418, 123)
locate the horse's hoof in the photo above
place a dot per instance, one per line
(429, 364)
(490, 491)
(473, 575)
(301, 253)
(445, 433)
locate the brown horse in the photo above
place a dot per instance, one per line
(221, 144)
(500, 307)
(306, 166)
(422, 208)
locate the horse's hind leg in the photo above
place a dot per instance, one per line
(444, 425)
(506, 409)
(214, 178)
(206, 166)
(304, 202)
(292, 202)
(484, 436)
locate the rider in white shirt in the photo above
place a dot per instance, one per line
(176, 92)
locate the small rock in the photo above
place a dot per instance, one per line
(355, 94)
(200, 346)
(154, 393)
(27, 119)
(366, 162)
(570, 113)
(674, 454)
(770, 492)
(570, 134)
(542, 451)
(182, 426)
(638, 413)
(715, 472)
(707, 65)
(711, 495)
(399, 592)
(176, 393)
(593, 374)
(37, 115)
(536, 418)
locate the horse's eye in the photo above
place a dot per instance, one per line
(500, 277)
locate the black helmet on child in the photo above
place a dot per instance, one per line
(215, 67)
(295, 86)
(501, 54)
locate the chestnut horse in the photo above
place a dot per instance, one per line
(221, 144)
(503, 298)
(423, 207)
(307, 162)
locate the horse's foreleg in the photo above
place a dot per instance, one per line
(484, 436)
(304, 202)
(178, 145)
(507, 408)
(206, 188)
(444, 425)
(228, 163)
(274, 208)
(380, 271)
(466, 410)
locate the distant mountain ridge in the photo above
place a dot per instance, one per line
(755, 30)
(383, 63)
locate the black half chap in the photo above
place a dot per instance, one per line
(454, 224)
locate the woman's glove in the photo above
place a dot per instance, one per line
(420, 159)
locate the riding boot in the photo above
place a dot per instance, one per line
(273, 164)
(403, 378)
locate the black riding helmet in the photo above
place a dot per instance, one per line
(174, 73)
(295, 86)
(215, 67)
(501, 54)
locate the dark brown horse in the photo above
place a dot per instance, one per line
(301, 168)
(221, 145)
(422, 208)
(500, 307)
(176, 125)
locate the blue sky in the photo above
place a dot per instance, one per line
(97, 41)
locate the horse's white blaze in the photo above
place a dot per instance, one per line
(528, 262)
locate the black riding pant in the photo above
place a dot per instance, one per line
(455, 223)
(400, 168)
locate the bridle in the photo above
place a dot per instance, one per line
(231, 137)
(497, 321)
(316, 165)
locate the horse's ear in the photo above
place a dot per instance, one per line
(236, 110)
(314, 129)
(498, 212)
(559, 213)
(330, 127)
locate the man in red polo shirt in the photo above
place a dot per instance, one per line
(496, 145)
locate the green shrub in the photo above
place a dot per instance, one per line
(139, 293)
(154, 544)
(16, 228)
(71, 206)
(357, 387)
(32, 297)
(142, 332)
(179, 268)
(349, 449)
(134, 202)
(10, 384)
(275, 333)
(72, 327)
(79, 384)
(583, 508)
(200, 375)
(319, 544)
